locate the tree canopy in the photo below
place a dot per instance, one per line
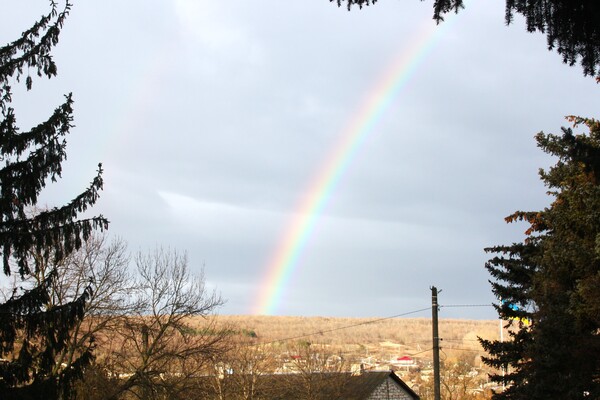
(548, 283)
(572, 28)
(32, 330)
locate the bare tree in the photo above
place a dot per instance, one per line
(317, 373)
(96, 272)
(460, 380)
(102, 266)
(238, 374)
(142, 325)
(160, 351)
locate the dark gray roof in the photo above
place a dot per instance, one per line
(326, 386)
(359, 387)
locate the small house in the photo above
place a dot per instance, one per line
(384, 385)
(378, 385)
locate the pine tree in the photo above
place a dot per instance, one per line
(572, 27)
(32, 331)
(551, 279)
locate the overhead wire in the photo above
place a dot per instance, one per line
(459, 349)
(465, 305)
(321, 332)
(423, 351)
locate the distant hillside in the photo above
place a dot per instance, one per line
(383, 338)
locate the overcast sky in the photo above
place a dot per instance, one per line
(212, 119)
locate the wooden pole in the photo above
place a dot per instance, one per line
(436, 343)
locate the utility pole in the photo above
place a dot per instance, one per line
(436, 343)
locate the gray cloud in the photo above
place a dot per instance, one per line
(213, 118)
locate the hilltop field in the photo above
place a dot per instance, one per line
(404, 345)
(250, 346)
(359, 338)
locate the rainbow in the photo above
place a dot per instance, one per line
(284, 260)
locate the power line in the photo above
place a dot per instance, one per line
(423, 351)
(321, 332)
(466, 305)
(340, 328)
(456, 348)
